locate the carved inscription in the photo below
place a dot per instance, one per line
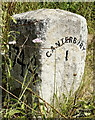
(65, 40)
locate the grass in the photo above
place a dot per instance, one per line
(16, 106)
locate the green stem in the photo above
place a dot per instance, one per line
(54, 83)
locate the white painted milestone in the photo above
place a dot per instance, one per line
(62, 39)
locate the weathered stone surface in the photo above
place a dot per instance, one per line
(61, 55)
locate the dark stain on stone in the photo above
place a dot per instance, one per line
(28, 57)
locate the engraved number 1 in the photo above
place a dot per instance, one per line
(66, 58)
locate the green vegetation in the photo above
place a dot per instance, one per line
(15, 105)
